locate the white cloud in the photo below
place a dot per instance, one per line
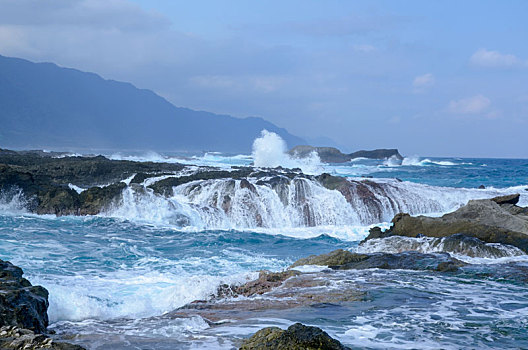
(487, 58)
(470, 105)
(423, 82)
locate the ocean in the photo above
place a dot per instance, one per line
(118, 280)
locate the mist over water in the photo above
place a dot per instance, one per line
(270, 151)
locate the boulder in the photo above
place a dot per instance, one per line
(21, 304)
(509, 199)
(495, 220)
(296, 337)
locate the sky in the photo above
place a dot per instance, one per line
(431, 78)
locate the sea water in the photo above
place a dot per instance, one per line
(115, 279)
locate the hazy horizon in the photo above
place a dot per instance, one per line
(431, 79)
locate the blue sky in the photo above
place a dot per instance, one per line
(432, 78)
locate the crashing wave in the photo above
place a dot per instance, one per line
(281, 202)
(458, 244)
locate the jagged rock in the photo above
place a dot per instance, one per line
(296, 337)
(24, 339)
(484, 219)
(44, 180)
(21, 304)
(264, 283)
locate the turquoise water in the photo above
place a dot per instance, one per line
(114, 280)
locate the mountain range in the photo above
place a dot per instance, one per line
(43, 105)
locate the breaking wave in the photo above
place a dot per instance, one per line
(269, 151)
(463, 247)
(283, 203)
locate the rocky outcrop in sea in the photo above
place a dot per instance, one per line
(496, 220)
(23, 313)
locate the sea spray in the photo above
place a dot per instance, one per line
(280, 202)
(269, 151)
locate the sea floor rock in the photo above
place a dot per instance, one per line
(296, 337)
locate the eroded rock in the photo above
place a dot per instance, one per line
(296, 337)
(21, 304)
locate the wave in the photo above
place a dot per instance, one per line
(417, 161)
(283, 203)
(465, 248)
(269, 151)
(13, 201)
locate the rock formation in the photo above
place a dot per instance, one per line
(496, 220)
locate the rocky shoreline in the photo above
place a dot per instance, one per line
(23, 313)
(52, 183)
(49, 185)
(495, 220)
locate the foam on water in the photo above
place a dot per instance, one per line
(299, 203)
(472, 251)
(130, 293)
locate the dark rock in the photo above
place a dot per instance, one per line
(442, 262)
(333, 155)
(345, 260)
(296, 337)
(482, 187)
(484, 219)
(336, 257)
(44, 180)
(509, 199)
(164, 187)
(18, 338)
(21, 304)
(377, 154)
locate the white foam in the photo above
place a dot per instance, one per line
(299, 203)
(269, 151)
(76, 188)
(13, 202)
(130, 293)
(486, 253)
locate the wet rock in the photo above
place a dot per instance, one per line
(21, 304)
(509, 199)
(165, 186)
(96, 199)
(18, 338)
(296, 337)
(482, 187)
(442, 262)
(345, 260)
(336, 257)
(485, 219)
(264, 283)
(333, 155)
(45, 180)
